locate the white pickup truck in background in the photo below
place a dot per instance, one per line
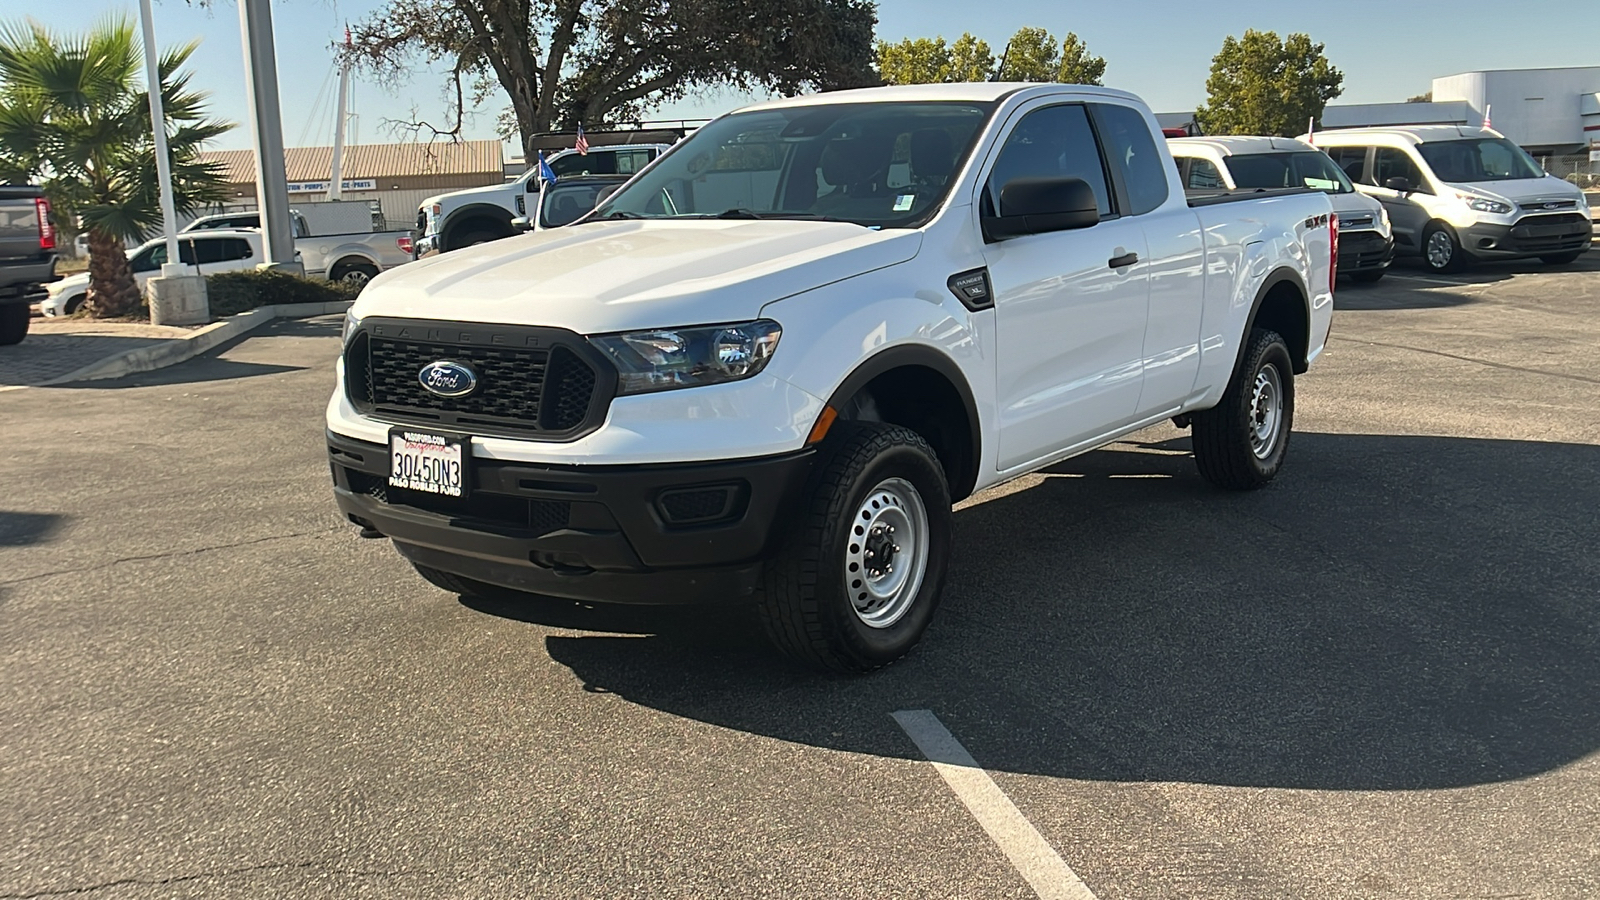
(764, 369)
(482, 214)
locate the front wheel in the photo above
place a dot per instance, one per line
(1561, 259)
(1240, 443)
(855, 583)
(1441, 252)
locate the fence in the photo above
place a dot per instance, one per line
(1576, 169)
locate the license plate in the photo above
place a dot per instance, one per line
(428, 462)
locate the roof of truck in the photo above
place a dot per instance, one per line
(1241, 145)
(975, 91)
(1415, 134)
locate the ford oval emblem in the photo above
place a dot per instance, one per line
(448, 379)
(1552, 206)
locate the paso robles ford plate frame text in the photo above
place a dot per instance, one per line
(428, 462)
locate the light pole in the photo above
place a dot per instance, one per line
(261, 92)
(177, 297)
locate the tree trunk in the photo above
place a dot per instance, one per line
(112, 290)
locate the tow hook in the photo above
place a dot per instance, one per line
(1182, 421)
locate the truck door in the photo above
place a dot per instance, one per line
(1070, 306)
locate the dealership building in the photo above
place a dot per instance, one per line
(392, 178)
(1554, 114)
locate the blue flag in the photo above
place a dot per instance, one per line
(545, 172)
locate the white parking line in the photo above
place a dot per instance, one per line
(1043, 868)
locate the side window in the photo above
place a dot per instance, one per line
(1132, 150)
(207, 250)
(186, 252)
(148, 261)
(631, 161)
(1204, 176)
(1391, 162)
(1053, 142)
(236, 248)
(1353, 160)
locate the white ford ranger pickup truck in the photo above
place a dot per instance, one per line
(765, 368)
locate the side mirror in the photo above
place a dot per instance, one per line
(1042, 205)
(1400, 183)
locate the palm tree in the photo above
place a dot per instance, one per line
(74, 113)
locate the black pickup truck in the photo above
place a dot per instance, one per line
(27, 257)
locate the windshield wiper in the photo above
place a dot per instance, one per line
(621, 214)
(738, 212)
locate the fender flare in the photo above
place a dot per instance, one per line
(1280, 275)
(486, 210)
(921, 355)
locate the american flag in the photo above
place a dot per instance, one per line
(583, 142)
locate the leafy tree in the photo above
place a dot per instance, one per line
(1421, 98)
(1261, 84)
(1078, 66)
(1032, 55)
(75, 115)
(925, 61)
(595, 62)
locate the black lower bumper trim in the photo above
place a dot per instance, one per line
(674, 533)
(1529, 237)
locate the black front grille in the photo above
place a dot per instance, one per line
(422, 221)
(1536, 205)
(1567, 231)
(1354, 222)
(1361, 249)
(531, 382)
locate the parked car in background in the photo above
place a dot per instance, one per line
(27, 257)
(1456, 194)
(355, 257)
(764, 368)
(209, 251)
(479, 215)
(1242, 163)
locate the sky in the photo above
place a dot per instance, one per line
(1158, 49)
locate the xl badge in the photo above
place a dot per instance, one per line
(448, 379)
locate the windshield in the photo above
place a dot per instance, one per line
(883, 165)
(564, 203)
(1479, 159)
(1307, 168)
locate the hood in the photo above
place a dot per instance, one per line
(69, 284)
(467, 195)
(1522, 191)
(615, 276)
(1355, 205)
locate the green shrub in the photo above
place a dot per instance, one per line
(231, 293)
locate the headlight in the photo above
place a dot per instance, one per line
(668, 358)
(1484, 204)
(351, 323)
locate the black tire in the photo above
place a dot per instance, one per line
(806, 605)
(1455, 259)
(455, 584)
(1368, 276)
(357, 273)
(1224, 437)
(73, 304)
(14, 320)
(1561, 259)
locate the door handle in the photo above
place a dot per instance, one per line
(1123, 261)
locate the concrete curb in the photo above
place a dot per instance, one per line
(174, 351)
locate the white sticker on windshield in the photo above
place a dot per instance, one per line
(904, 201)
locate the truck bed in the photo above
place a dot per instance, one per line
(1198, 198)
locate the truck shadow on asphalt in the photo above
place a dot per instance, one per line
(1410, 285)
(1394, 613)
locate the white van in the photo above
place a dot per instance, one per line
(1248, 163)
(1455, 194)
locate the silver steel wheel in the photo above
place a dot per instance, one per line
(355, 277)
(887, 554)
(1266, 412)
(1441, 249)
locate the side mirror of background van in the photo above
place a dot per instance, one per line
(1400, 183)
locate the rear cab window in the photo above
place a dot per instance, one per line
(1131, 149)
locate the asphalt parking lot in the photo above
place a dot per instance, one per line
(1378, 678)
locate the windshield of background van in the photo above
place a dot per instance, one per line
(1479, 159)
(1307, 169)
(885, 165)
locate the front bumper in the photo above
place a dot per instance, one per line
(1364, 251)
(645, 534)
(1529, 236)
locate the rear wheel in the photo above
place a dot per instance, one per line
(1441, 251)
(355, 274)
(1240, 443)
(1561, 259)
(857, 579)
(14, 319)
